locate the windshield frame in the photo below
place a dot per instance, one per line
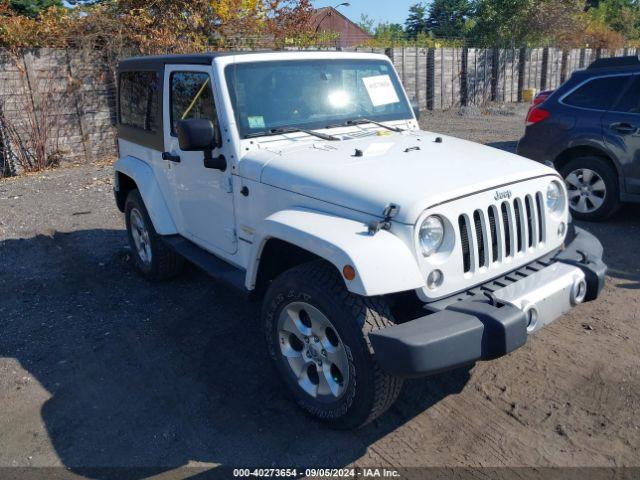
(229, 79)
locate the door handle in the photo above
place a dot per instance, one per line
(624, 128)
(171, 157)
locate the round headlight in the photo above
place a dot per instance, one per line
(431, 235)
(555, 198)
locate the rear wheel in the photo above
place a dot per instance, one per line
(317, 336)
(152, 257)
(592, 185)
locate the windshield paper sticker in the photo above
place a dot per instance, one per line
(380, 90)
(256, 122)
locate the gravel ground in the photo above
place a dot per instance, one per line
(100, 368)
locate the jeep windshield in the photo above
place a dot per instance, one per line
(276, 96)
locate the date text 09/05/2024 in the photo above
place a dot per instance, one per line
(317, 472)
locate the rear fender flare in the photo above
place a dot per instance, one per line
(142, 174)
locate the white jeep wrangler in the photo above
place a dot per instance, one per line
(381, 251)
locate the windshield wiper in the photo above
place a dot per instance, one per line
(361, 121)
(279, 131)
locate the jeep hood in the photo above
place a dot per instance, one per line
(409, 169)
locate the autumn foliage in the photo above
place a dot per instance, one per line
(157, 26)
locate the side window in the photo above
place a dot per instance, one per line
(630, 101)
(139, 100)
(597, 94)
(191, 97)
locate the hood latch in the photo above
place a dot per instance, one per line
(388, 213)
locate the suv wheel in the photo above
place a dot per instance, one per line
(152, 257)
(593, 188)
(317, 336)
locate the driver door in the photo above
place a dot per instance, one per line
(203, 195)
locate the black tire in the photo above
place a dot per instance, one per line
(369, 391)
(164, 262)
(608, 175)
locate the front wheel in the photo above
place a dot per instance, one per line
(317, 336)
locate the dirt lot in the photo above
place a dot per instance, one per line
(100, 368)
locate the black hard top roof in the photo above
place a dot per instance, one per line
(157, 62)
(616, 62)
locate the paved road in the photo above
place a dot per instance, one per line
(100, 368)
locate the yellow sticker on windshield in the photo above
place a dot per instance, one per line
(256, 122)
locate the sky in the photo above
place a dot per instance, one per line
(392, 11)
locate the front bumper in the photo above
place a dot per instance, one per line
(497, 321)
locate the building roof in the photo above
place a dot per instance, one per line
(324, 17)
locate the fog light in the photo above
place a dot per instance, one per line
(434, 279)
(562, 228)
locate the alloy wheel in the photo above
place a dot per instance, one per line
(313, 350)
(140, 235)
(587, 190)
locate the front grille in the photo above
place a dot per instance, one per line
(540, 205)
(482, 251)
(500, 231)
(530, 225)
(493, 213)
(519, 225)
(506, 224)
(464, 241)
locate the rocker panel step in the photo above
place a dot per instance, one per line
(212, 265)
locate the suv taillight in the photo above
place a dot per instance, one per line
(537, 115)
(540, 98)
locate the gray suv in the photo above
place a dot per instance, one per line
(589, 130)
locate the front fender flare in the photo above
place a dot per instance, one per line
(142, 174)
(383, 262)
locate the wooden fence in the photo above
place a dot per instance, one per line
(77, 88)
(446, 78)
(65, 96)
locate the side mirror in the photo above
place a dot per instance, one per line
(197, 135)
(416, 108)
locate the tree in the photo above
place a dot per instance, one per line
(512, 23)
(366, 23)
(31, 8)
(224, 23)
(622, 16)
(448, 18)
(499, 21)
(390, 33)
(416, 21)
(120, 27)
